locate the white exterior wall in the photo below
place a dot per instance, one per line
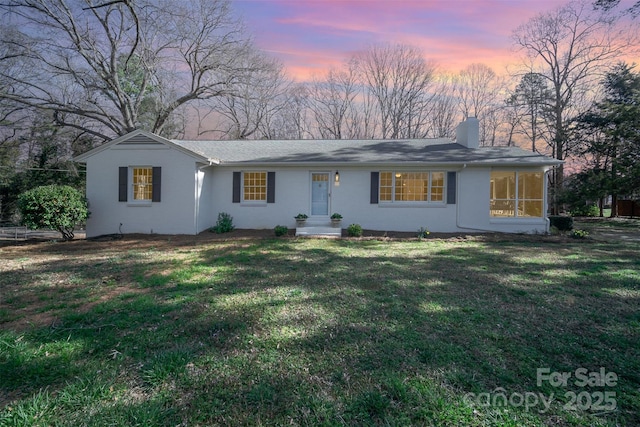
(473, 205)
(352, 200)
(193, 194)
(291, 197)
(174, 214)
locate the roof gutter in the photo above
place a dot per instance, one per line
(460, 164)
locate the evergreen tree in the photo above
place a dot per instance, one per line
(616, 122)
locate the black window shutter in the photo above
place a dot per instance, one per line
(123, 174)
(451, 188)
(271, 187)
(236, 187)
(156, 179)
(375, 181)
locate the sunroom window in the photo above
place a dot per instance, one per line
(516, 194)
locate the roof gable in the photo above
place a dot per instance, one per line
(138, 138)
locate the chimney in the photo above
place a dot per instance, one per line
(468, 133)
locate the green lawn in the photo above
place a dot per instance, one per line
(320, 332)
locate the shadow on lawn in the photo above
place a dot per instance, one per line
(281, 330)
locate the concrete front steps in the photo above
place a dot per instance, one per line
(318, 228)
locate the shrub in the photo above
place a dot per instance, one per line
(224, 223)
(585, 210)
(423, 232)
(280, 230)
(301, 216)
(561, 222)
(354, 230)
(57, 207)
(579, 234)
(336, 216)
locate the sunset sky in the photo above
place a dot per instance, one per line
(309, 36)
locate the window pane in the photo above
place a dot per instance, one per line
(255, 186)
(385, 194)
(502, 208)
(530, 185)
(412, 186)
(503, 185)
(142, 183)
(530, 208)
(437, 186)
(386, 186)
(503, 194)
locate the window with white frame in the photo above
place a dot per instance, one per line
(254, 186)
(516, 194)
(410, 186)
(142, 183)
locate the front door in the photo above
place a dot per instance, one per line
(319, 193)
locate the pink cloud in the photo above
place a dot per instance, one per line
(311, 35)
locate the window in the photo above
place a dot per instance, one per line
(411, 187)
(142, 183)
(516, 194)
(254, 187)
(139, 184)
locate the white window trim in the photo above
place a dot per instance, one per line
(130, 193)
(412, 203)
(515, 217)
(244, 202)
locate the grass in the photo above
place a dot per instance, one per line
(318, 332)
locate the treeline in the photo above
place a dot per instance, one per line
(75, 74)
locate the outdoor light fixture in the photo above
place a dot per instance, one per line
(337, 179)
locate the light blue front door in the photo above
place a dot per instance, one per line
(319, 193)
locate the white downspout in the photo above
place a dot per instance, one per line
(199, 194)
(197, 206)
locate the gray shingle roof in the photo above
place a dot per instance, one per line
(403, 151)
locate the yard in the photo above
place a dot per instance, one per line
(245, 329)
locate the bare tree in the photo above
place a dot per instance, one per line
(398, 77)
(532, 99)
(101, 68)
(476, 89)
(253, 98)
(479, 92)
(609, 5)
(14, 117)
(366, 121)
(332, 103)
(291, 121)
(444, 114)
(569, 47)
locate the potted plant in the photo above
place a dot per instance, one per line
(335, 219)
(301, 219)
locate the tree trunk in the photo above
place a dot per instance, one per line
(614, 172)
(601, 206)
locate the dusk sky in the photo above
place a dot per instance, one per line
(310, 36)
